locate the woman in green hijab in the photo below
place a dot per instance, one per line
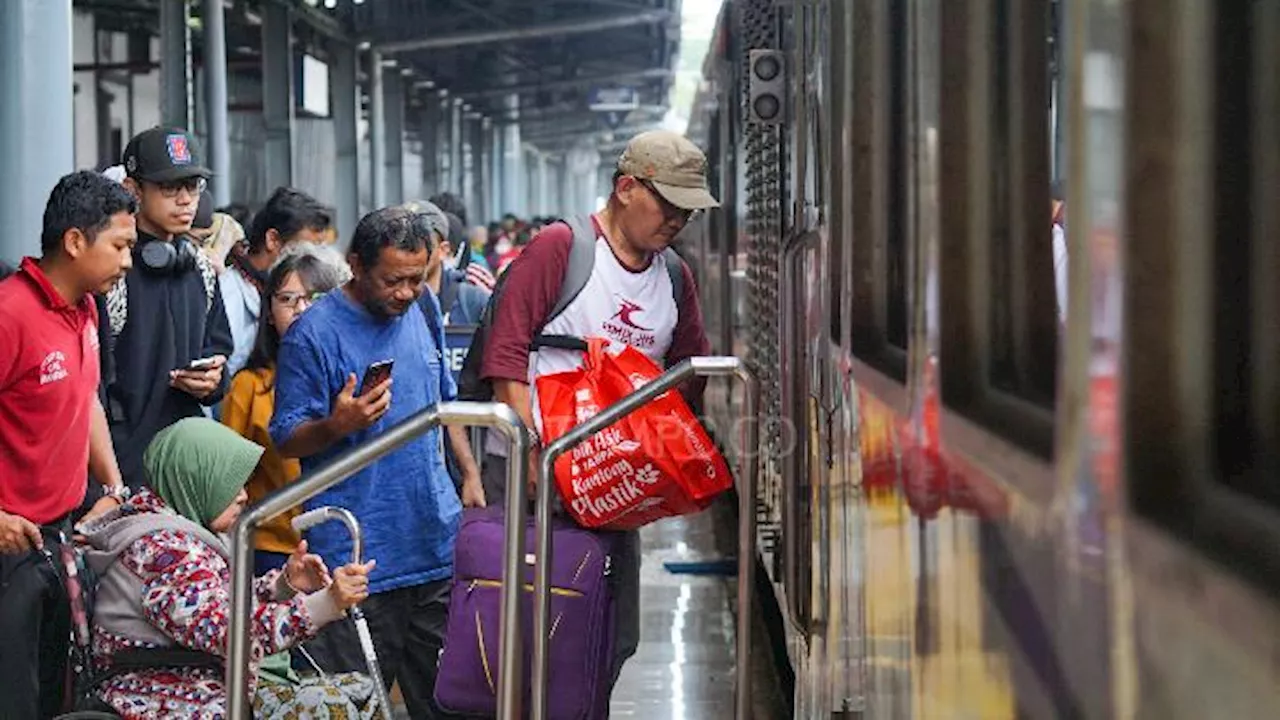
(164, 582)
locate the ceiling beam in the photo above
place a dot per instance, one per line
(534, 32)
(568, 83)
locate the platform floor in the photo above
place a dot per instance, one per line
(684, 668)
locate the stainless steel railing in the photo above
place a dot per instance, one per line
(495, 415)
(698, 366)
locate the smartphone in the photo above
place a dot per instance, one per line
(375, 374)
(201, 364)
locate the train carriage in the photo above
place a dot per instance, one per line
(999, 480)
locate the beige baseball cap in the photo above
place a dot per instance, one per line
(674, 165)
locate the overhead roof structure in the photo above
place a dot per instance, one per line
(551, 53)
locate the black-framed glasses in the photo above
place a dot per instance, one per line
(669, 211)
(193, 185)
(291, 299)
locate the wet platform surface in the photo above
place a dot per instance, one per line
(684, 668)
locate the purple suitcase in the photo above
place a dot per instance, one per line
(582, 622)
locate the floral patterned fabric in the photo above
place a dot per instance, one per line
(186, 595)
(346, 696)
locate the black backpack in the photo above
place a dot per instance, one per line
(582, 259)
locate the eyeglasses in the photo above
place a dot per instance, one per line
(291, 299)
(194, 186)
(669, 212)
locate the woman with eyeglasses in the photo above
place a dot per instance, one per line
(300, 277)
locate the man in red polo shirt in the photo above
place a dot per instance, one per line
(53, 431)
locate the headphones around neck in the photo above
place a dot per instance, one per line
(161, 257)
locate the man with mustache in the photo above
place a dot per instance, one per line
(405, 501)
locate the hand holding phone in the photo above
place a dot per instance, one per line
(199, 378)
(353, 413)
(374, 375)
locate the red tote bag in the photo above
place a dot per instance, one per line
(656, 462)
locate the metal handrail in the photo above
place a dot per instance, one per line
(495, 415)
(795, 404)
(686, 369)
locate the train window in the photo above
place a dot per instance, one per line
(879, 222)
(999, 322)
(1202, 392)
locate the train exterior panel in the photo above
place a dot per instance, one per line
(1003, 478)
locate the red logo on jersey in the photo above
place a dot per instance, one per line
(625, 310)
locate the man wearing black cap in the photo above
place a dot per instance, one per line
(169, 333)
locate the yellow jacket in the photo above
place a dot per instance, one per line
(247, 410)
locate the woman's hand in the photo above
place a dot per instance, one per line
(306, 573)
(351, 584)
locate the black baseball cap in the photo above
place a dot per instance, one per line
(164, 154)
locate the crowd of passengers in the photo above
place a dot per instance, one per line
(163, 364)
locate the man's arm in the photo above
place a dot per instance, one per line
(515, 394)
(529, 292)
(690, 340)
(305, 422)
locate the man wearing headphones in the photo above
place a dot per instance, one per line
(169, 334)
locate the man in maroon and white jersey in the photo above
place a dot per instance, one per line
(629, 298)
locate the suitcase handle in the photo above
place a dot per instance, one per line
(686, 369)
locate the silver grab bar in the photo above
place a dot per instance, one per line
(321, 515)
(697, 366)
(495, 415)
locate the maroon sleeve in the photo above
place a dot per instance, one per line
(690, 338)
(529, 292)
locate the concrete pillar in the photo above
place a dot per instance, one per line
(485, 210)
(513, 159)
(475, 183)
(544, 186)
(37, 139)
(498, 202)
(444, 135)
(429, 122)
(215, 83)
(175, 64)
(277, 94)
(377, 130)
(393, 107)
(346, 112)
(457, 180)
(565, 187)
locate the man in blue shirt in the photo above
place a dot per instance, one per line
(406, 503)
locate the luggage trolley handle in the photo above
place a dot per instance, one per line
(488, 414)
(686, 369)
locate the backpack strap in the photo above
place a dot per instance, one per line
(429, 313)
(582, 260)
(675, 270)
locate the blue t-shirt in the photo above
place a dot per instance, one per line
(406, 503)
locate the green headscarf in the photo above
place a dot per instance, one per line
(198, 467)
